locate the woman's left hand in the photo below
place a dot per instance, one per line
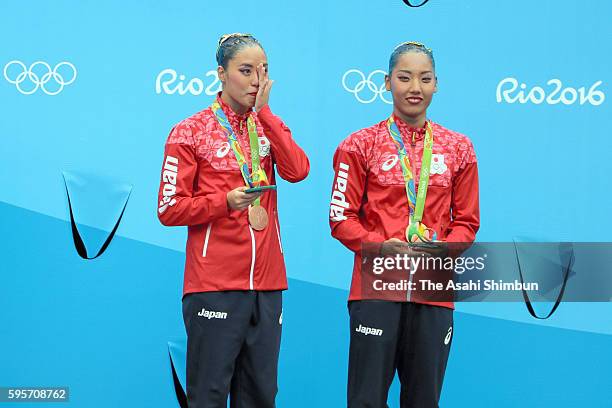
(265, 84)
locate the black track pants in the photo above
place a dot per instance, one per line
(413, 338)
(233, 341)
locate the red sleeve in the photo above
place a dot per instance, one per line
(177, 205)
(464, 204)
(291, 161)
(347, 195)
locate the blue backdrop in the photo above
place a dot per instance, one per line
(526, 81)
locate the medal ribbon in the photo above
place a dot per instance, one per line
(258, 175)
(416, 202)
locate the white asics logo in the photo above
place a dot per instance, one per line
(369, 331)
(210, 314)
(355, 82)
(169, 177)
(448, 336)
(264, 148)
(28, 80)
(338, 202)
(165, 83)
(223, 150)
(390, 162)
(538, 95)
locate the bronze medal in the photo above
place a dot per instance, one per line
(412, 236)
(258, 217)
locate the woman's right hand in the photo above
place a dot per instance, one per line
(237, 199)
(395, 246)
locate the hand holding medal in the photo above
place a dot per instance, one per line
(238, 199)
(396, 246)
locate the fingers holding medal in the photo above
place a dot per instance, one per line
(237, 199)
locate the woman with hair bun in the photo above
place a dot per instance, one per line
(218, 179)
(405, 186)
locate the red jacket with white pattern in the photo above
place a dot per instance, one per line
(369, 202)
(223, 252)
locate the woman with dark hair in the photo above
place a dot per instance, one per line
(215, 165)
(404, 180)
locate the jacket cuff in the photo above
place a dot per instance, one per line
(219, 207)
(265, 114)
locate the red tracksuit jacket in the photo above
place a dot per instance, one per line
(369, 202)
(223, 252)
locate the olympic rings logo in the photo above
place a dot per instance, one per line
(371, 90)
(39, 81)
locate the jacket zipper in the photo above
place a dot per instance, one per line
(414, 175)
(206, 239)
(252, 258)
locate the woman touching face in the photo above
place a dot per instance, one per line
(412, 82)
(241, 77)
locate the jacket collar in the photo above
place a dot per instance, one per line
(409, 132)
(236, 121)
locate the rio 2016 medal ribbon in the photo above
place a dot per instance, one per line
(416, 202)
(258, 217)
